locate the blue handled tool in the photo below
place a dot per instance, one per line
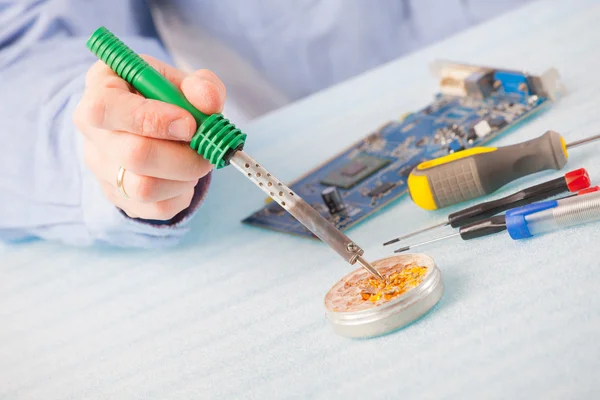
(573, 182)
(549, 216)
(533, 219)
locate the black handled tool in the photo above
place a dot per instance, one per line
(479, 171)
(487, 226)
(573, 181)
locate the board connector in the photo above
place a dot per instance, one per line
(474, 105)
(457, 79)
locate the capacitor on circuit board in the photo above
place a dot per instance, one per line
(333, 200)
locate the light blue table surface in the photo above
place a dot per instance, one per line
(237, 312)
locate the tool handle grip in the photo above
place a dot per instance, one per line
(540, 218)
(485, 227)
(216, 138)
(529, 195)
(137, 72)
(480, 171)
(573, 181)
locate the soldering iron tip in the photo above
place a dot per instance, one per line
(366, 265)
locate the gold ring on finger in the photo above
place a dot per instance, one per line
(120, 176)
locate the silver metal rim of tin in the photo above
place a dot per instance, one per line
(396, 313)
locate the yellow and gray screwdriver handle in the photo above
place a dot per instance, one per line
(479, 171)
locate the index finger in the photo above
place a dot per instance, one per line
(115, 109)
(111, 103)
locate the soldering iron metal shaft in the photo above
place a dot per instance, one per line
(301, 210)
(219, 141)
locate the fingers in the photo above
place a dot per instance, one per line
(147, 197)
(143, 188)
(173, 74)
(147, 189)
(146, 137)
(119, 110)
(205, 91)
(161, 210)
(151, 157)
(110, 104)
(101, 76)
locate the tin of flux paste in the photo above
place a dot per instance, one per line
(360, 306)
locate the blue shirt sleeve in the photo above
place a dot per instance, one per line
(46, 191)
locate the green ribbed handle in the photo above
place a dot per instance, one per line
(216, 139)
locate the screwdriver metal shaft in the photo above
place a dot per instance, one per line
(429, 228)
(406, 248)
(582, 141)
(572, 181)
(531, 219)
(480, 171)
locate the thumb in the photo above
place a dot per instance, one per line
(205, 91)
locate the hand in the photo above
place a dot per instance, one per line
(147, 138)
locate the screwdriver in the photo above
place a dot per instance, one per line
(220, 142)
(583, 191)
(475, 172)
(571, 182)
(517, 219)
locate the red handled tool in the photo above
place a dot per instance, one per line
(498, 223)
(573, 181)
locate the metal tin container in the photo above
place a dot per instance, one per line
(368, 319)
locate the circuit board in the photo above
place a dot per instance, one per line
(475, 105)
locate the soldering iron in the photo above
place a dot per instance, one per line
(220, 142)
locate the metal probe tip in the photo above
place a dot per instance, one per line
(405, 248)
(582, 141)
(392, 241)
(416, 233)
(402, 249)
(366, 265)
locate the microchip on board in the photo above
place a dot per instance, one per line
(468, 92)
(353, 168)
(382, 189)
(355, 171)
